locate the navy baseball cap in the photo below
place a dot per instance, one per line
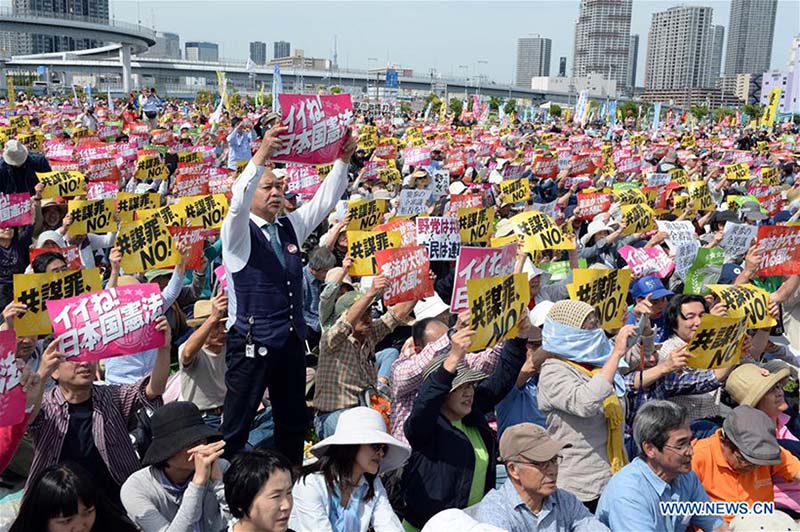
(650, 286)
(730, 271)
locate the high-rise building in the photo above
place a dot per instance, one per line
(202, 51)
(633, 57)
(750, 31)
(718, 36)
(281, 49)
(168, 46)
(258, 52)
(35, 43)
(602, 40)
(679, 47)
(787, 80)
(562, 67)
(533, 59)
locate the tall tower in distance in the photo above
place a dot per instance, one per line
(751, 29)
(533, 59)
(602, 40)
(258, 52)
(679, 48)
(281, 49)
(718, 35)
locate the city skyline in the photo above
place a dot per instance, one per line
(491, 54)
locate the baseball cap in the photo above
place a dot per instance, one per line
(530, 443)
(650, 285)
(289, 196)
(730, 271)
(753, 433)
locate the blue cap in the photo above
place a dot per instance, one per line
(730, 271)
(650, 286)
(289, 195)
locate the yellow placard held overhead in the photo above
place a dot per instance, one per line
(146, 245)
(746, 301)
(640, 218)
(91, 216)
(150, 167)
(129, 203)
(20, 122)
(205, 211)
(190, 157)
(700, 196)
(475, 225)
(496, 305)
(717, 342)
(366, 214)
(630, 196)
(62, 184)
(769, 176)
(34, 289)
(538, 231)
(737, 172)
(770, 111)
(515, 190)
(174, 214)
(603, 289)
(362, 245)
(679, 176)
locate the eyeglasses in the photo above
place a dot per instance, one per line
(380, 448)
(553, 462)
(680, 449)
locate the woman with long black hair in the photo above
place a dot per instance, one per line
(64, 499)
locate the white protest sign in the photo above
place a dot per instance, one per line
(440, 235)
(413, 202)
(440, 183)
(658, 180)
(736, 238)
(678, 232)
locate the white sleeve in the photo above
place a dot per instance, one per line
(234, 232)
(310, 215)
(383, 517)
(310, 513)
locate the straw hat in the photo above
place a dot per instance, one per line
(747, 385)
(464, 374)
(365, 426)
(569, 312)
(202, 310)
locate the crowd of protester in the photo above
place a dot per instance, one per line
(294, 399)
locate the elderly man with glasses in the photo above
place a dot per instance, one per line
(661, 473)
(529, 500)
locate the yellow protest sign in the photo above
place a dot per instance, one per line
(33, 289)
(515, 190)
(500, 241)
(390, 176)
(205, 211)
(679, 175)
(746, 301)
(769, 176)
(240, 165)
(64, 184)
(190, 157)
(640, 219)
(362, 245)
(366, 214)
(768, 118)
(496, 305)
(539, 232)
(174, 214)
(700, 196)
(91, 216)
(20, 122)
(80, 132)
(737, 172)
(32, 141)
(129, 203)
(679, 203)
(630, 196)
(146, 245)
(150, 167)
(717, 342)
(603, 289)
(475, 225)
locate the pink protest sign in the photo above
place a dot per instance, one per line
(12, 398)
(303, 179)
(108, 323)
(477, 263)
(102, 190)
(417, 156)
(316, 126)
(222, 277)
(647, 261)
(15, 210)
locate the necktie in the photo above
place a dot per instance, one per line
(272, 230)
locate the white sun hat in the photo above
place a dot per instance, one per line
(430, 307)
(365, 426)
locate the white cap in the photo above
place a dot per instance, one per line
(457, 187)
(539, 312)
(430, 307)
(531, 270)
(454, 520)
(15, 153)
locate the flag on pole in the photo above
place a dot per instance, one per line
(89, 97)
(250, 66)
(12, 91)
(75, 99)
(222, 85)
(277, 88)
(110, 102)
(216, 116)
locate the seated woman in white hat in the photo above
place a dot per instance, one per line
(341, 492)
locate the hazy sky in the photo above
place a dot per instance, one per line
(414, 34)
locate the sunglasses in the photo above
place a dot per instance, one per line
(380, 448)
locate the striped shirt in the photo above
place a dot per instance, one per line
(113, 406)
